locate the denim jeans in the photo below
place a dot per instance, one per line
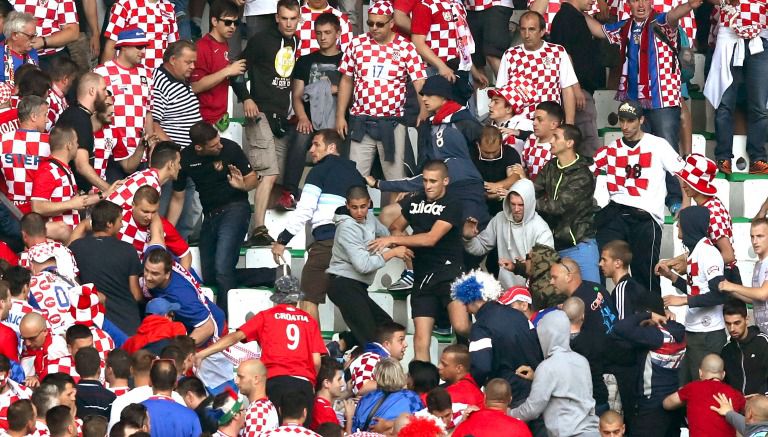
(220, 238)
(190, 213)
(586, 256)
(753, 75)
(665, 123)
(182, 18)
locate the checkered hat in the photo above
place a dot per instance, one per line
(698, 173)
(86, 308)
(6, 91)
(518, 94)
(42, 252)
(381, 7)
(516, 294)
(131, 37)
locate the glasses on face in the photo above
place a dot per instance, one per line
(228, 23)
(377, 24)
(29, 35)
(32, 337)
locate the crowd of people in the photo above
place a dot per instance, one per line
(119, 149)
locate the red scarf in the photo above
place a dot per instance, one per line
(449, 107)
(644, 78)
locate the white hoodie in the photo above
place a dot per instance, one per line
(513, 239)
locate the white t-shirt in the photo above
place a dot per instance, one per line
(635, 175)
(704, 264)
(760, 307)
(260, 7)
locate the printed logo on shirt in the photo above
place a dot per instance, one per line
(713, 269)
(706, 321)
(427, 208)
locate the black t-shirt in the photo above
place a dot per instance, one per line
(313, 67)
(108, 263)
(210, 175)
(599, 309)
(495, 169)
(570, 30)
(80, 120)
(422, 214)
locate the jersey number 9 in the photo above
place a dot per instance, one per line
(294, 336)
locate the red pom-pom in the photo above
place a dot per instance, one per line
(421, 427)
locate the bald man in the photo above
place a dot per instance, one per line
(91, 98)
(38, 343)
(261, 414)
(754, 423)
(612, 424)
(493, 420)
(698, 397)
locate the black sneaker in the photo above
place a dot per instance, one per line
(259, 237)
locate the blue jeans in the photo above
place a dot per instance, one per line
(182, 18)
(222, 234)
(753, 77)
(586, 256)
(191, 213)
(665, 123)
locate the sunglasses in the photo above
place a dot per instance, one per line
(377, 24)
(228, 23)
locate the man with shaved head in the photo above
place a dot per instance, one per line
(612, 424)
(755, 421)
(261, 414)
(37, 340)
(699, 399)
(493, 419)
(91, 99)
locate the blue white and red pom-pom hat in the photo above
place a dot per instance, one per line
(381, 7)
(131, 37)
(516, 294)
(475, 285)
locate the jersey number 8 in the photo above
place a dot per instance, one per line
(294, 336)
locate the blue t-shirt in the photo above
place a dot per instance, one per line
(192, 312)
(170, 419)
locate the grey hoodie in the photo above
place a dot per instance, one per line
(513, 239)
(350, 257)
(562, 384)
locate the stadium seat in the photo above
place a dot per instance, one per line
(606, 105)
(244, 303)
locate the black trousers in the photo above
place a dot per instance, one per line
(626, 381)
(279, 386)
(640, 230)
(361, 314)
(656, 422)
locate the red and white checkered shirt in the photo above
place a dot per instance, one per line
(51, 292)
(103, 142)
(535, 156)
(553, 7)
(548, 69)
(119, 391)
(635, 175)
(480, 5)
(19, 309)
(57, 103)
(22, 152)
(380, 73)
(131, 232)
(55, 182)
(65, 364)
(306, 30)
(747, 19)
(289, 431)
(103, 344)
(15, 392)
(720, 223)
(687, 22)
(65, 260)
(444, 23)
(51, 16)
(157, 19)
(123, 196)
(260, 417)
(132, 91)
(361, 369)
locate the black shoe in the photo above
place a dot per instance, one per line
(259, 237)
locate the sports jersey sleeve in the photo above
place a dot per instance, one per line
(502, 77)
(567, 74)
(415, 64)
(421, 19)
(117, 19)
(600, 161)
(252, 328)
(67, 13)
(173, 240)
(202, 63)
(348, 63)
(363, 371)
(670, 159)
(612, 31)
(317, 345)
(685, 392)
(44, 184)
(669, 31)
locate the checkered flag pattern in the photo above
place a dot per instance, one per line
(540, 68)
(306, 30)
(156, 19)
(22, 153)
(123, 196)
(362, 369)
(51, 16)
(260, 417)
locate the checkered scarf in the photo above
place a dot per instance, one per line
(644, 79)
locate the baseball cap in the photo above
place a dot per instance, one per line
(131, 37)
(437, 86)
(630, 110)
(516, 294)
(161, 306)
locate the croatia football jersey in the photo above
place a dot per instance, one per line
(156, 18)
(15, 393)
(131, 232)
(57, 103)
(51, 16)
(261, 416)
(52, 293)
(55, 182)
(22, 152)
(704, 264)
(123, 196)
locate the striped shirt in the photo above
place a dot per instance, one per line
(174, 106)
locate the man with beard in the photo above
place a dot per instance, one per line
(91, 98)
